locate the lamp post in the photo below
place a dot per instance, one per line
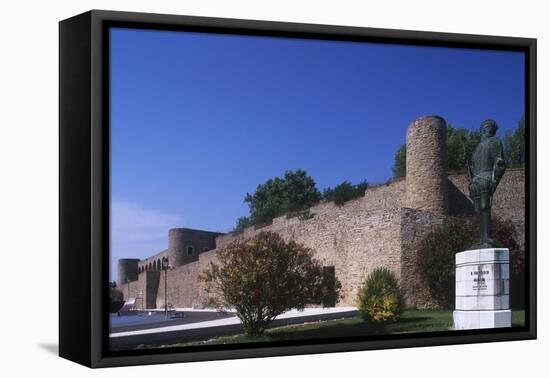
(165, 267)
(128, 282)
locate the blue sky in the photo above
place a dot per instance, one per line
(198, 120)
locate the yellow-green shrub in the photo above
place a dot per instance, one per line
(380, 300)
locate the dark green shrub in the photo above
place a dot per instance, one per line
(344, 192)
(115, 294)
(436, 254)
(116, 298)
(380, 300)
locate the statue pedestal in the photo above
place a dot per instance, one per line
(482, 289)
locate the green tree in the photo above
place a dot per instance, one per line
(460, 140)
(514, 145)
(400, 162)
(263, 277)
(242, 223)
(345, 191)
(295, 191)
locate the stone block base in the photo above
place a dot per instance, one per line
(482, 319)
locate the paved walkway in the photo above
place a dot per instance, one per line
(125, 325)
(202, 325)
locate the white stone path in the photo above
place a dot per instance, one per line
(308, 312)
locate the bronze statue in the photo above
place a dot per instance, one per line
(484, 172)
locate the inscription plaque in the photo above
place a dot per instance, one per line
(482, 289)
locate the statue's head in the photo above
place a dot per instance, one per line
(488, 128)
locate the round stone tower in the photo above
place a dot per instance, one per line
(426, 171)
(127, 270)
(186, 244)
(177, 243)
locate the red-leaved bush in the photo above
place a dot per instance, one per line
(263, 277)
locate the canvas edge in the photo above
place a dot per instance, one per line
(97, 356)
(75, 336)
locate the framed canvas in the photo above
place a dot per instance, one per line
(235, 188)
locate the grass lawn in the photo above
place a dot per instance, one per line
(410, 321)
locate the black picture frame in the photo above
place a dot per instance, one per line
(84, 185)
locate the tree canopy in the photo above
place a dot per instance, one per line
(514, 145)
(294, 192)
(400, 161)
(345, 191)
(460, 140)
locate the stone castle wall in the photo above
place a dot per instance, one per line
(508, 201)
(380, 229)
(356, 241)
(368, 232)
(183, 286)
(353, 240)
(152, 262)
(145, 289)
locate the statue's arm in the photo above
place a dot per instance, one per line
(467, 166)
(499, 167)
